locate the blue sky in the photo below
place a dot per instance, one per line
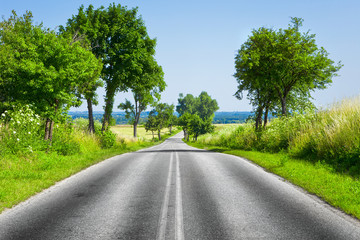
(197, 40)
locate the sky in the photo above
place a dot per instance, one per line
(197, 40)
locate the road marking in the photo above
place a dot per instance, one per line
(179, 224)
(165, 205)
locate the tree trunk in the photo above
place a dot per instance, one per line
(258, 121)
(185, 134)
(170, 128)
(51, 131)
(135, 129)
(91, 126)
(47, 129)
(153, 135)
(283, 106)
(159, 134)
(109, 104)
(266, 115)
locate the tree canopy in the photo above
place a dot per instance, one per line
(196, 114)
(160, 117)
(42, 68)
(145, 94)
(119, 37)
(275, 66)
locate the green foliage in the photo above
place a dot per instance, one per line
(41, 68)
(196, 114)
(107, 139)
(151, 125)
(339, 190)
(19, 130)
(64, 142)
(25, 174)
(279, 69)
(119, 37)
(160, 117)
(203, 105)
(331, 136)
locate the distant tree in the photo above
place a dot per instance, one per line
(186, 104)
(145, 94)
(172, 121)
(197, 126)
(162, 114)
(206, 106)
(184, 122)
(41, 68)
(196, 114)
(281, 63)
(151, 125)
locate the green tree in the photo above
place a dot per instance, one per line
(184, 122)
(42, 68)
(119, 37)
(282, 63)
(197, 126)
(196, 114)
(186, 104)
(206, 106)
(162, 114)
(151, 125)
(145, 94)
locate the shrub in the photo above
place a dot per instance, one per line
(107, 139)
(331, 135)
(64, 141)
(19, 130)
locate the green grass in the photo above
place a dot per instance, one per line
(22, 176)
(339, 190)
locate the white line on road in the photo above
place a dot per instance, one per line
(179, 225)
(165, 205)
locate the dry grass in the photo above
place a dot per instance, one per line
(127, 132)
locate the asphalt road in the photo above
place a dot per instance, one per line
(173, 191)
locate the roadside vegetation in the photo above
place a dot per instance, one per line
(43, 73)
(28, 164)
(318, 151)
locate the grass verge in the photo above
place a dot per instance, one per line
(339, 190)
(23, 176)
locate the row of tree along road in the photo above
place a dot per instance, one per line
(53, 71)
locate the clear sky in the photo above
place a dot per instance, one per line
(197, 40)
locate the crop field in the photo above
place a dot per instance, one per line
(127, 132)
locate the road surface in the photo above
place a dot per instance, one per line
(173, 191)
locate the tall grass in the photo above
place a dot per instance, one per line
(331, 136)
(334, 136)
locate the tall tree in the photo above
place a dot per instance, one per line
(81, 27)
(145, 94)
(282, 63)
(120, 39)
(42, 68)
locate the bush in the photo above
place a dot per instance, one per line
(19, 130)
(107, 139)
(332, 136)
(64, 141)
